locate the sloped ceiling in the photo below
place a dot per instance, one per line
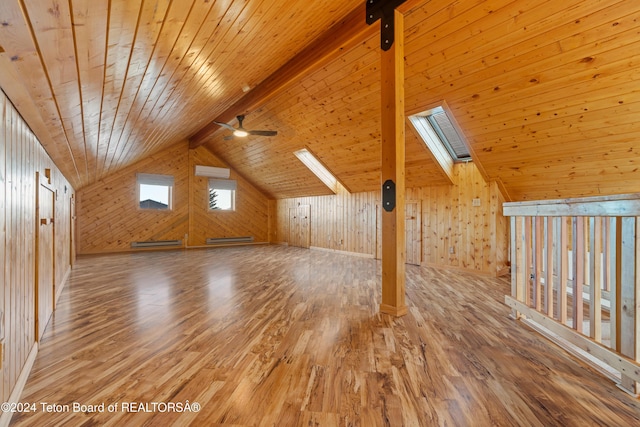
(546, 92)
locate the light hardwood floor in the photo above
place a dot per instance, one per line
(271, 335)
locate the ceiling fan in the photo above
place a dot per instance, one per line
(242, 132)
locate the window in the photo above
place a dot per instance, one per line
(154, 191)
(439, 131)
(319, 170)
(222, 194)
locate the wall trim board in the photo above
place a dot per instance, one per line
(5, 418)
(503, 272)
(130, 250)
(499, 273)
(63, 283)
(337, 251)
(167, 248)
(224, 245)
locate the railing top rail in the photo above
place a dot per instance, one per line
(615, 205)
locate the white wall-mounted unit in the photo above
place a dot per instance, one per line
(223, 240)
(212, 172)
(154, 243)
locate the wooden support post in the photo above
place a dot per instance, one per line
(393, 164)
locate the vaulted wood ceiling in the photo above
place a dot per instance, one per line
(546, 91)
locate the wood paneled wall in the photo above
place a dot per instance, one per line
(457, 233)
(342, 222)
(477, 234)
(21, 156)
(109, 218)
(250, 217)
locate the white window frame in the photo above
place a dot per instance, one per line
(224, 185)
(156, 180)
(318, 169)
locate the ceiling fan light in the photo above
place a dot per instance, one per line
(240, 132)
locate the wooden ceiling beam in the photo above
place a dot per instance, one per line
(330, 45)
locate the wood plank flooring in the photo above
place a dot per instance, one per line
(277, 336)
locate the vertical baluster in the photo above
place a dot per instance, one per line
(578, 276)
(538, 258)
(612, 262)
(521, 261)
(595, 271)
(548, 222)
(563, 272)
(557, 253)
(586, 262)
(528, 262)
(626, 295)
(605, 254)
(514, 261)
(636, 300)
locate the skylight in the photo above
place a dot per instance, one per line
(435, 126)
(319, 170)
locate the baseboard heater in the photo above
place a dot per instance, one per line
(223, 240)
(156, 243)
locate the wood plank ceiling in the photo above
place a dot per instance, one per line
(547, 92)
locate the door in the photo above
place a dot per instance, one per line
(378, 231)
(300, 226)
(413, 235)
(72, 231)
(45, 292)
(413, 232)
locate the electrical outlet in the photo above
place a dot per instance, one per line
(476, 202)
(452, 250)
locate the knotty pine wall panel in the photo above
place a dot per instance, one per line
(251, 215)
(340, 222)
(458, 234)
(477, 234)
(21, 156)
(109, 218)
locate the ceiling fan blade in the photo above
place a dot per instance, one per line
(225, 125)
(229, 137)
(263, 132)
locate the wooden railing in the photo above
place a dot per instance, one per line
(575, 277)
